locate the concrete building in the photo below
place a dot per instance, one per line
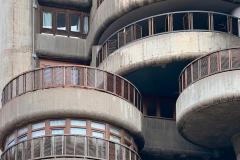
(120, 79)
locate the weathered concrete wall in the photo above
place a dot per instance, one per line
(60, 46)
(163, 140)
(166, 48)
(69, 102)
(78, 3)
(208, 111)
(15, 38)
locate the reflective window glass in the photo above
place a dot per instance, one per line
(78, 123)
(23, 138)
(115, 130)
(47, 20)
(75, 23)
(98, 134)
(57, 132)
(115, 139)
(57, 123)
(22, 131)
(220, 22)
(85, 22)
(38, 125)
(78, 131)
(11, 143)
(61, 21)
(39, 133)
(98, 125)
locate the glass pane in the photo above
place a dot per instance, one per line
(85, 22)
(39, 133)
(57, 132)
(23, 138)
(61, 21)
(75, 23)
(235, 26)
(38, 125)
(98, 125)
(11, 143)
(144, 28)
(180, 21)
(78, 123)
(220, 22)
(115, 130)
(57, 123)
(98, 134)
(47, 20)
(22, 131)
(200, 21)
(160, 24)
(78, 131)
(115, 139)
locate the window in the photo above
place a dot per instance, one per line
(235, 26)
(38, 125)
(98, 134)
(47, 20)
(57, 132)
(98, 125)
(200, 21)
(75, 23)
(78, 123)
(220, 22)
(115, 139)
(61, 22)
(22, 131)
(57, 123)
(160, 24)
(39, 133)
(11, 143)
(114, 130)
(180, 21)
(78, 131)
(23, 138)
(85, 22)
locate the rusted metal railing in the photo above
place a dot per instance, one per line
(65, 146)
(71, 76)
(169, 22)
(216, 62)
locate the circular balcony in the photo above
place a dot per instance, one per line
(70, 91)
(69, 146)
(208, 106)
(145, 42)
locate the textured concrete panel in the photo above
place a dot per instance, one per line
(166, 48)
(208, 111)
(69, 102)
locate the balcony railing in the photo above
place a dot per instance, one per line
(212, 63)
(69, 146)
(72, 76)
(169, 22)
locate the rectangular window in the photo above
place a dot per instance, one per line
(61, 21)
(75, 23)
(220, 22)
(57, 123)
(98, 134)
(57, 132)
(114, 130)
(115, 139)
(39, 133)
(38, 125)
(78, 123)
(200, 21)
(78, 131)
(180, 21)
(160, 24)
(22, 131)
(85, 24)
(98, 125)
(47, 20)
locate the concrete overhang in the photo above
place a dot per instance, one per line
(73, 3)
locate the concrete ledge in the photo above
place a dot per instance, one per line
(165, 48)
(208, 111)
(69, 102)
(61, 47)
(75, 3)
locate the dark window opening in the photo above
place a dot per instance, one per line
(200, 21)
(160, 24)
(235, 26)
(167, 109)
(61, 22)
(180, 21)
(144, 28)
(75, 23)
(152, 108)
(220, 23)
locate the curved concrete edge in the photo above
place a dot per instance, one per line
(75, 3)
(166, 48)
(216, 97)
(61, 47)
(69, 102)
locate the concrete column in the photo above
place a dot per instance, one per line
(236, 145)
(15, 38)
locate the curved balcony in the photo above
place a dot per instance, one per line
(184, 23)
(208, 106)
(69, 146)
(70, 91)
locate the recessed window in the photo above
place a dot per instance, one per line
(78, 131)
(57, 123)
(47, 20)
(220, 22)
(38, 125)
(61, 21)
(98, 125)
(98, 134)
(115, 131)
(85, 22)
(22, 131)
(115, 139)
(39, 133)
(200, 21)
(57, 132)
(78, 123)
(75, 23)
